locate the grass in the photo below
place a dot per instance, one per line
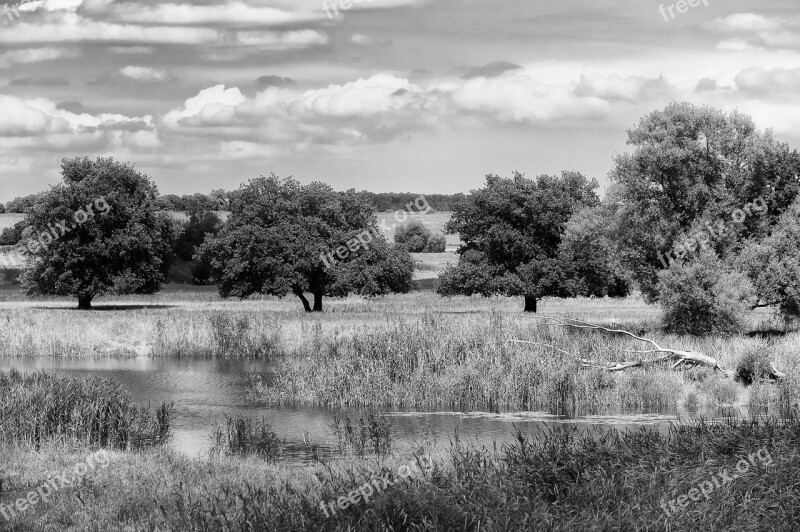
(37, 408)
(245, 437)
(468, 362)
(556, 480)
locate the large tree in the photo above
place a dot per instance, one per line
(283, 237)
(98, 232)
(694, 171)
(512, 231)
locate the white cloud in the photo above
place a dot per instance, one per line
(35, 55)
(282, 41)
(140, 73)
(761, 81)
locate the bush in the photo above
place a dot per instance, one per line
(12, 235)
(702, 296)
(436, 244)
(413, 236)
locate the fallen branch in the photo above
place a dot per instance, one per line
(679, 357)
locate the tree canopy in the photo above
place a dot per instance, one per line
(512, 231)
(97, 232)
(283, 237)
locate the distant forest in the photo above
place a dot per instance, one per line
(220, 200)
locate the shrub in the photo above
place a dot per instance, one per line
(12, 235)
(436, 244)
(754, 365)
(413, 236)
(702, 296)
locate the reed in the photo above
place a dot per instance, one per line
(244, 437)
(36, 408)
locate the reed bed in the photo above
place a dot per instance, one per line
(245, 437)
(470, 362)
(554, 480)
(37, 408)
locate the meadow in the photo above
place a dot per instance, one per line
(404, 351)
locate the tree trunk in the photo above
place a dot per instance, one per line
(318, 302)
(85, 303)
(306, 304)
(530, 304)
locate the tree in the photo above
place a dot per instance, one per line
(692, 169)
(773, 264)
(435, 244)
(512, 231)
(98, 232)
(12, 235)
(284, 238)
(193, 233)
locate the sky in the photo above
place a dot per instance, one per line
(424, 96)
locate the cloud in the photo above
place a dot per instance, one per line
(762, 82)
(35, 55)
(490, 70)
(232, 13)
(275, 81)
(746, 30)
(282, 41)
(41, 82)
(375, 109)
(140, 73)
(71, 28)
(614, 87)
(40, 125)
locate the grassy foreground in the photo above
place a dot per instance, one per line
(554, 481)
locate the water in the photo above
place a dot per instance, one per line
(204, 391)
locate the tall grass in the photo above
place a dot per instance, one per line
(554, 480)
(37, 408)
(469, 362)
(245, 437)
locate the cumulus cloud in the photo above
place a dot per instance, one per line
(614, 87)
(230, 13)
(41, 124)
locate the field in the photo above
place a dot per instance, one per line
(416, 350)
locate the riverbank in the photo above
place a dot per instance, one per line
(740, 476)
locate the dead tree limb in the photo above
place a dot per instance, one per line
(679, 357)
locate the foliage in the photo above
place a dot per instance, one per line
(194, 231)
(12, 235)
(701, 296)
(111, 240)
(694, 167)
(413, 236)
(435, 244)
(512, 230)
(21, 205)
(773, 264)
(281, 234)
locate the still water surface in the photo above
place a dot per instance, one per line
(205, 390)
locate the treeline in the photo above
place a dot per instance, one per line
(221, 200)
